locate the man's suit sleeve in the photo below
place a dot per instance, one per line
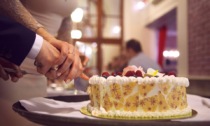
(15, 40)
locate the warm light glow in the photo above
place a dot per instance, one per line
(165, 53)
(88, 51)
(116, 29)
(171, 53)
(94, 44)
(78, 43)
(77, 15)
(84, 49)
(76, 34)
(176, 54)
(140, 5)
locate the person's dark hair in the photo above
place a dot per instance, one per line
(134, 44)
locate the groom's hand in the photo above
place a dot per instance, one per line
(47, 59)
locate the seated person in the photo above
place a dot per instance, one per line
(137, 57)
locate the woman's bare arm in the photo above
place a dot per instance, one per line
(65, 29)
(15, 10)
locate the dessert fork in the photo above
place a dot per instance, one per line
(205, 103)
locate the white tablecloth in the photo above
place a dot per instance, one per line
(203, 112)
(66, 109)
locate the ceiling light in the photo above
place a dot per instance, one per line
(77, 15)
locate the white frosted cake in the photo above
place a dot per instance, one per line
(136, 94)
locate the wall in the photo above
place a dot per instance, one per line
(134, 27)
(199, 38)
(182, 38)
(160, 9)
(199, 46)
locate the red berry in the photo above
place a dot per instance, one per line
(138, 73)
(119, 73)
(171, 73)
(130, 73)
(114, 74)
(105, 74)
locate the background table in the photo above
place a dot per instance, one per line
(51, 92)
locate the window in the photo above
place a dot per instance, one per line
(102, 25)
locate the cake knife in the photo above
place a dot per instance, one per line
(22, 71)
(83, 76)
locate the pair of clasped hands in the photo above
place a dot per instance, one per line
(56, 60)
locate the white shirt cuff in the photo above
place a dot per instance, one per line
(36, 47)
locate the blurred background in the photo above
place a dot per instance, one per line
(173, 33)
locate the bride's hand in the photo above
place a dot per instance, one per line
(70, 64)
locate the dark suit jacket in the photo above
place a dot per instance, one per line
(15, 40)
